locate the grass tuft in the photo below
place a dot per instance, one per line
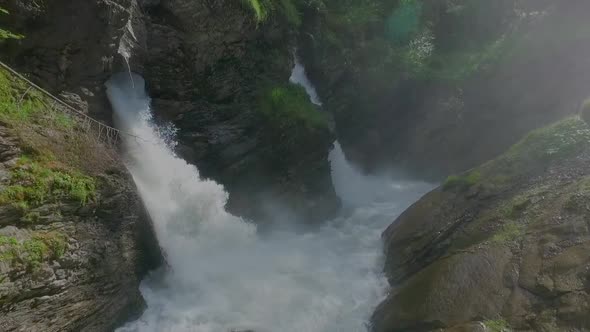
(44, 127)
(289, 105)
(462, 182)
(497, 325)
(510, 231)
(33, 183)
(42, 247)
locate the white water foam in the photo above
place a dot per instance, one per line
(222, 275)
(298, 76)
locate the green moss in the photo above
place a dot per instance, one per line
(34, 252)
(509, 232)
(262, 9)
(290, 12)
(5, 34)
(536, 151)
(497, 325)
(289, 106)
(260, 12)
(6, 245)
(20, 105)
(55, 243)
(34, 183)
(560, 140)
(40, 248)
(462, 182)
(47, 130)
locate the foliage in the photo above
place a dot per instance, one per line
(290, 12)
(289, 105)
(19, 104)
(262, 9)
(462, 182)
(41, 247)
(5, 34)
(45, 128)
(419, 51)
(39, 178)
(497, 325)
(354, 15)
(509, 232)
(260, 12)
(404, 21)
(560, 140)
(463, 63)
(33, 183)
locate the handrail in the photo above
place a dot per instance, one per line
(101, 125)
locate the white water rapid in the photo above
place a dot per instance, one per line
(222, 275)
(298, 76)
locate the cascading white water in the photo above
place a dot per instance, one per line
(222, 276)
(298, 76)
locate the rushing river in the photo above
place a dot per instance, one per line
(221, 274)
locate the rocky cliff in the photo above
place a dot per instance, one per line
(211, 67)
(442, 86)
(74, 238)
(504, 245)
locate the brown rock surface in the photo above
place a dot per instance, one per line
(508, 241)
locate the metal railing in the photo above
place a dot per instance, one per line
(105, 132)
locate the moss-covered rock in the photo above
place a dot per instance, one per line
(507, 250)
(442, 86)
(74, 240)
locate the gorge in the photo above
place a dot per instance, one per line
(294, 165)
(221, 274)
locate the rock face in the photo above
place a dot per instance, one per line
(207, 65)
(68, 46)
(430, 84)
(94, 285)
(75, 240)
(504, 245)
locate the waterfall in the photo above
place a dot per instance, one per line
(353, 188)
(221, 274)
(298, 76)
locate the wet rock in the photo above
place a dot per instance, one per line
(518, 257)
(63, 269)
(436, 125)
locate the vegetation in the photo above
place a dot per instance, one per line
(585, 111)
(509, 232)
(42, 126)
(560, 140)
(262, 9)
(33, 183)
(288, 105)
(462, 182)
(497, 325)
(5, 34)
(41, 247)
(48, 172)
(404, 22)
(19, 104)
(462, 64)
